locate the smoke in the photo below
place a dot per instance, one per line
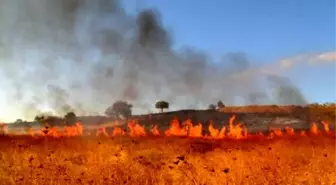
(286, 93)
(82, 55)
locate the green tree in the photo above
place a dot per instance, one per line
(39, 118)
(162, 105)
(18, 121)
(48, 120)
(70, 118)
(220, 104)
(212, 107)
(119, 109)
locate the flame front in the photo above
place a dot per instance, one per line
(235, 131)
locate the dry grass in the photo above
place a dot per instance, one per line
(311, 112)
(261, 109)
(143, 161)
(279, 108)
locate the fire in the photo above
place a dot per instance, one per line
(118, 131)
(155, 130)
(3, 129)
(175, 129)
(101, 131)
(314, 129)
(326, 126)
(136, 129)
(289, 131)
(303, 133)
(235, 131)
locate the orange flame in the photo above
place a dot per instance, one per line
(313, 129)
(117, 131)
(155, 130)
(326, 126)
(3, 129)
(175, 129)
(136, 129)
(101, 132)
(290, 131)
(234, 131)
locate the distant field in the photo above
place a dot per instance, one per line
(278, 108)
(259, 109)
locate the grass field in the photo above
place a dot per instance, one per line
(227, 155)
(167, 160)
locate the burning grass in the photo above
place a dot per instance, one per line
(182, 154)
(167, 160)
(233, 130)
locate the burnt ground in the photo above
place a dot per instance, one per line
(254, 118)
(253, 121)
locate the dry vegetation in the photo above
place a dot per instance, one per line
(286, 158)
(167, 160)
(307, 114)
(278, 108)
(313, 112)
(262, 109)
(310, 113)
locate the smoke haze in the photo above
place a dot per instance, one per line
(82, 55)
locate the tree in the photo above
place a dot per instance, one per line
(119, 109)
(39, 119)
(212, 107)
(48, 120)
(220, 104)
(70, 118)
(18, 121)
(162, 105)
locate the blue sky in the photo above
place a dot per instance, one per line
(267, 31)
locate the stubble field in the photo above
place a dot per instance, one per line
(178, 154)
(148, 160)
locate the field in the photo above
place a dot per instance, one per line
(178, 152)
(167, 160)
(173, 157)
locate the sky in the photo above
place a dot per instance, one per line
(267, 31)
(294, 38)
